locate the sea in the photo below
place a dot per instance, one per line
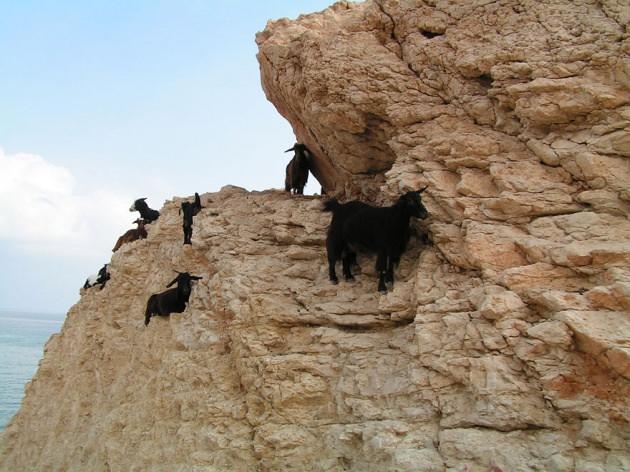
(22, 340)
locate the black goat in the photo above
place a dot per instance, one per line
(189, 210)
(170, 301)
(132, 235)
(197, 204)
(297, 169)
(98, 279)
(384, 230)
(148, 214)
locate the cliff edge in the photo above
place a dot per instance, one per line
(504, 343)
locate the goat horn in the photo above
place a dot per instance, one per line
(173, 281)
(292, 149)
(422, 190)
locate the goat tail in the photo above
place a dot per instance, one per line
(331, 205)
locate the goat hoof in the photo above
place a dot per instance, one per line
(350, 279)
(334, 281)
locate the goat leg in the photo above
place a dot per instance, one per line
(334, 250)
(381, 269)
(347, 261)
(382, 287)
(187, 235)
(147, 316)
(353, 261)
(389, 276)
(331, 271)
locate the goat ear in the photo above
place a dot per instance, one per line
(423, 189)
(195, 277)
(291, 149)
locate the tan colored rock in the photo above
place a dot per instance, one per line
(612, 297)
(602, 334)
(545, 153)
(561, 100)
(475, 183)
(603, 171)
(605, 202)
(551, 332)
(493, 246)
(503, 344)
(495, 303)
(529, 279)
(559, 300)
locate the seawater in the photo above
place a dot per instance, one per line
(22, 340)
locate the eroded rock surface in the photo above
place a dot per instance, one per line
(504, 344)
(516, 114)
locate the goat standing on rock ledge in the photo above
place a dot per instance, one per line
(384, 230)
(189, 210)
(147, 214)
(297, 169)
(170, 301)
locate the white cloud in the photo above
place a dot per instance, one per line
(42, 212)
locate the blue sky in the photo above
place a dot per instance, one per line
(106, 101)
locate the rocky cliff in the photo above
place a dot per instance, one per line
(505, 344)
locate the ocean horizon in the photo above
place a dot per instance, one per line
(22, 339)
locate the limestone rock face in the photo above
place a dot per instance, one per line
(471, 96)
(504, 344)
